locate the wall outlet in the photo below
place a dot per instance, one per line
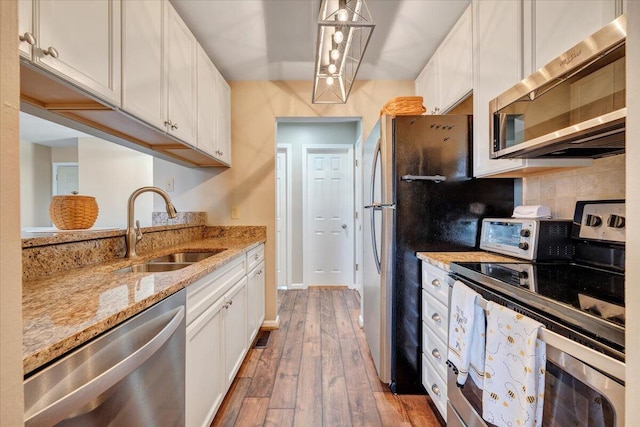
(168, 185)
(234, 213)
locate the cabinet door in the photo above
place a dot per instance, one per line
(204, 381)
(235, 329)
(557, 25)
(456, 64)
(79, 40)
(427, 85)
(223, 119)
(180, 52)
(256, 301)
(142, 65)
(207, 102)
(497, 55)
(25, 27)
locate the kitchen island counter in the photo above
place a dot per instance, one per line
(65, 310)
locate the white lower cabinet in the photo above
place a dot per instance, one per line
(224, 312)
(435, 328)
(236, 343)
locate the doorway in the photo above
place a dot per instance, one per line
(283, 216)
(303, 137)
(65, 178)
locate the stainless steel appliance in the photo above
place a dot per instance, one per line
(532, 239)
(132, 375)
(572, 107)
(581, 304)
(420, 197)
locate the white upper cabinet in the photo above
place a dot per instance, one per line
(499, 33)
(223, 119)
(180, 59)
(448, 76)
(79, 41)
(213, 110)
(456, 63)
(428, 85)
(558, 25)
(142, 64)
(25, 28)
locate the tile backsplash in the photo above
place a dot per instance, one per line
(604, 179)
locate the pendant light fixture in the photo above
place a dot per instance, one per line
(344, 30)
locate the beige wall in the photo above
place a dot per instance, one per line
(255, 107)
(605, 179)
(632, 291)
(10, 249)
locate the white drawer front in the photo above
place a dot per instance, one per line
(435, 315)
(435, 385)
(205, 291)
(434, 281)
(435, 350)
(254, 257)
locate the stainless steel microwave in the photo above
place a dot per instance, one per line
(573, 107)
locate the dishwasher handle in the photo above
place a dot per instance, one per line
(58, 410)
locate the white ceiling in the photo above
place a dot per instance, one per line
(275, 39)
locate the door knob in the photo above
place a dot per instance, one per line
(344, 226)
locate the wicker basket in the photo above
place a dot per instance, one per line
(404, 106)
(73, 212)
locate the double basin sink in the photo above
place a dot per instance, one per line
(170, 262)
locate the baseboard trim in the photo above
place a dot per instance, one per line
(271, 324)
(361, 322)
(297, 286)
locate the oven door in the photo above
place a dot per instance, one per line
(575, 393)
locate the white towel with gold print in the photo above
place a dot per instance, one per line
(466, 334)
(515, 364)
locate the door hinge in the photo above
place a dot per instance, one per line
(357, 267)
(356, 162)
(356, 214)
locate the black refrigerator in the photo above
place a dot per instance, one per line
(419, 195)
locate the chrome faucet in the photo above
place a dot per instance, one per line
(134, 235)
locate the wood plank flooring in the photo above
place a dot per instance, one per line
(316, 370)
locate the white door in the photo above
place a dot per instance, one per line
(65, 178)
(282, 218)
(328, 215)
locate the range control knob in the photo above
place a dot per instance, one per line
(525, 232)
(523, 245)
(593, 221)
(616, 221)
(523, 275)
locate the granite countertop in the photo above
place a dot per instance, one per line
(63, 311)
(444, 259)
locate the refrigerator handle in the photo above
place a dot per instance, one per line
(372, 212)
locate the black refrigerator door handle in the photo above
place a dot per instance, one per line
(374, 206)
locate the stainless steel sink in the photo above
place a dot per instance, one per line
(186, 256)
(154, 267)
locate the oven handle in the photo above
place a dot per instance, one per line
(588, 355)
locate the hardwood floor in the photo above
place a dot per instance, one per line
(316, 370)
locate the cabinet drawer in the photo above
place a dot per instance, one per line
(435, 315)
(255, 257)
(435, 350)
(205, 291)
(434, 281)
(435, 385)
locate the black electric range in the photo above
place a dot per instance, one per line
(582, 298)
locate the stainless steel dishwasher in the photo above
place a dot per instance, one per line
(133, 375)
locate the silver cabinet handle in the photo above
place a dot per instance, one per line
(436, 283)
(436, 317)
(75, 400)
(168, 123)
(29, 38)
(436, 353)
(51, 51)
(256, 257)
(344, 226)
(435, 389)
(174, 126)
(231, 302)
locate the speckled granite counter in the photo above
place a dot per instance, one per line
(444, 259)
(63, 311)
